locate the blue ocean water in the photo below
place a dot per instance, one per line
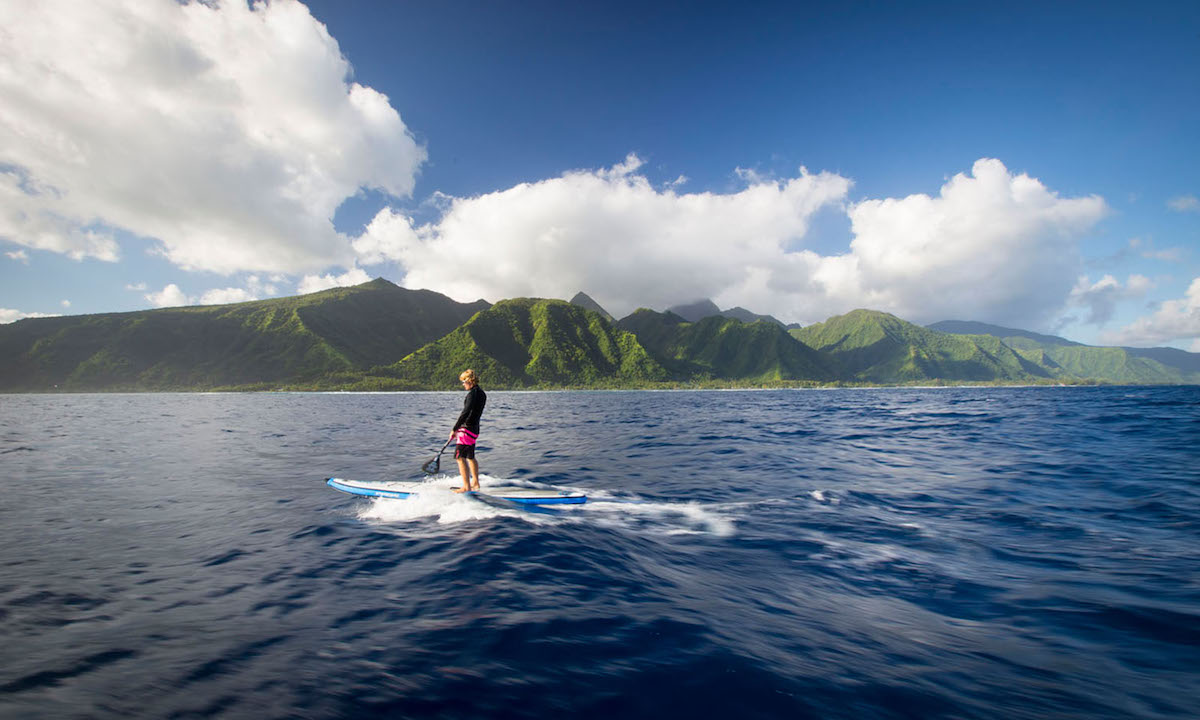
(889, 553)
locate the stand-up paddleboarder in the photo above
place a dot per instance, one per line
(466, 431)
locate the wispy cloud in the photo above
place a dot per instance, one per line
(1184, 203)
(1100, 298)
(1171, 254)
(1139, 247)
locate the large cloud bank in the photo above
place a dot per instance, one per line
(609, 232)
(992, 245)
(227, 133)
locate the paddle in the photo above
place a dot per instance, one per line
(432, 467)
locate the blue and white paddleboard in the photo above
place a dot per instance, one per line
(403, 491)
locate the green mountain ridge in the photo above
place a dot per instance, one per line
(724, 348)
(530, 342)
(378, 336)
(1064, 359)
(300, 339)
(875, 347)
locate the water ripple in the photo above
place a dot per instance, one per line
(933, 553)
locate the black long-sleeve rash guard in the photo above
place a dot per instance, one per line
(472, 410)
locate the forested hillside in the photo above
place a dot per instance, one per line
(378, 336)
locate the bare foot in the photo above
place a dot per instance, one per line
(462, 490)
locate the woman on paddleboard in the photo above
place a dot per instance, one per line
(466, 431)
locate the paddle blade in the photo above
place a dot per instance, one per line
(433, 465)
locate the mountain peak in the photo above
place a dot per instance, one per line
(379, 283)
(585, 301)
(746, 316)
(696, 311)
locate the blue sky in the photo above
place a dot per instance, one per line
(1032, 165)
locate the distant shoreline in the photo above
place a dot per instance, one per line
(714, 388)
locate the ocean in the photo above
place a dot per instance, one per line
(972, 552)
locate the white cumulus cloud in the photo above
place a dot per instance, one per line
(169, 296)
(1173, 320)
(609, 232)
(255, 288)
(10, 316)
(227, 132)
(993, 245)
(317, 283)
(223, 296)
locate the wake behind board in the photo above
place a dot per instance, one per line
(404, 491)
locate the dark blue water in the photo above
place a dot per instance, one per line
(953, 553)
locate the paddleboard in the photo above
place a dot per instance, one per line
(404, 491)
